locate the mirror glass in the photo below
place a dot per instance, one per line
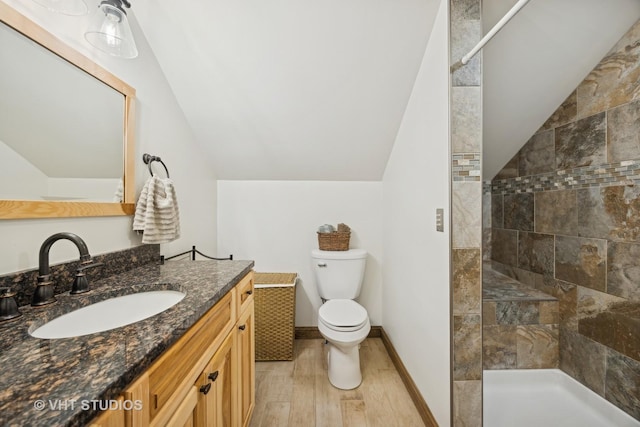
(61, 129)
(66, 128)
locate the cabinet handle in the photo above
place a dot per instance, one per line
(205, 388)
(213, 376)
(249, 292)
(242, 327)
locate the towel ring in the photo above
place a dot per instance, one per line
(148, 159)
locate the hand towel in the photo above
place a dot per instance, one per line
(157, 215)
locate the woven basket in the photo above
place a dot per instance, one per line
(275, 315)
(336, 241)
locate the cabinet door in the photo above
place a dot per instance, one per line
(184, 414)
(245, 359)
(216, 388)
(110, 418)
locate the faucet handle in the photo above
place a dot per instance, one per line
(81, 283)
(88, 266)
(8, 305)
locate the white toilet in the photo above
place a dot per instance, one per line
(342, 322)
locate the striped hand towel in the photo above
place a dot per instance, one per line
(157, 215)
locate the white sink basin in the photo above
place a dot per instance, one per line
(109, 314)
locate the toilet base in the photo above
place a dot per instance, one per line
(344, 366)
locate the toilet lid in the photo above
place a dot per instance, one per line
(343, 313)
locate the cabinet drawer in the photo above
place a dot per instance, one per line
(185, 360)
(245, 292)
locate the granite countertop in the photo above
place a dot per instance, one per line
(65, 375)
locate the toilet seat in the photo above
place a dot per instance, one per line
(343, 315)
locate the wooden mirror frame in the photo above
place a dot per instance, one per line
(17, 209)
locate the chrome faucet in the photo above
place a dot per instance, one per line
(44, 293)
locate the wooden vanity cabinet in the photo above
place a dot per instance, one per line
(245, 362)
(113, 418)
(216, 387)
(207, 378)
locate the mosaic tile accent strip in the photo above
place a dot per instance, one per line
(619, 173)
(467, 167)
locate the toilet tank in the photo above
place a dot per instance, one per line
(339, 274)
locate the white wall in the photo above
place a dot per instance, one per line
(161, 129)
(275, 223)
(415, 293)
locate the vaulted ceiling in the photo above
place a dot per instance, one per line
(291, 89)
(305, 90)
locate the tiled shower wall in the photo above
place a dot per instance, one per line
(466, 201)
(565, 218)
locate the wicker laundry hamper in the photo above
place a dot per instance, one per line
(275, 302)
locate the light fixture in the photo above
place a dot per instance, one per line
(109, 30)
(66, 7)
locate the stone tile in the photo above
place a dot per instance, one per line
(567, 112)
(466, 120)
(465, 34)
(623, 270)
(486, 244)
(499, 346)
(549, 312)
(567, 295)
(499, 287)
(466, 220)
(538, 154)
(555, 212)
(488, 313)
(486, 207)
(524, 276)
(467, 283)
(623, 383)
(623, 138)
(537, 347)
(510, 170)
(517, 313)
(583, 359)
(618, 328)
(497, 214)
(581, 143)
(518, 211)
(593, 218)
(504, 246)
(615, 80)
(590, 302)
(467, 347)
(467, 403)
(535, 252)
(501, 268)
(609, 213)
(465, 10)
(581, 261)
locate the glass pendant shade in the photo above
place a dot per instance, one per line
(66, 7)
(109, 31)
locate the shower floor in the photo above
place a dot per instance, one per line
(545, 397)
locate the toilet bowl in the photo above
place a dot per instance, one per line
(341, 320)
(344, 324)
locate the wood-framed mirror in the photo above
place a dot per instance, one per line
(68, 151)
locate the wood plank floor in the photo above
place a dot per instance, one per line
(298, 393)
